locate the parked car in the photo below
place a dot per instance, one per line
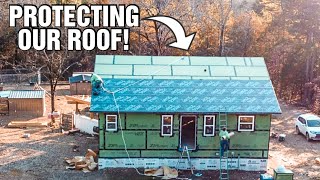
(308, 125)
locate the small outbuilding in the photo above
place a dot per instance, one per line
(27, 102)
(80, 84)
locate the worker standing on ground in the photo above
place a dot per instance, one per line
(224, 140)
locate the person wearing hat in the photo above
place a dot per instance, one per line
(224, 140)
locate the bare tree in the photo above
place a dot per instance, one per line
(53, 65)
(154, 36)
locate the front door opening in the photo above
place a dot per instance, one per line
(188, 132)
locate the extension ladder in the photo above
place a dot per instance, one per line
(224, 172)
(186, 150)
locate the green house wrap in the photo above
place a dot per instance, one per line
(152, 106)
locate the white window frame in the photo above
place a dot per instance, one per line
(209, 125)
(116, 123)
(239, 123)
(163, 125)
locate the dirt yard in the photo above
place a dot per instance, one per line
(295, 153)
(42, 155)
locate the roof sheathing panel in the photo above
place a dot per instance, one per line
(218, 71)
(190, 71)
(113, 69)
(104, 59)
(170, 60)
(252, 72)
(258, 61)
(181, 67)
(171, 77)
(132, 60)
(152, 70)
(236, 61)
(248, 62)
(220, 61)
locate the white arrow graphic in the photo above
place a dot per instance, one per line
(182, 41)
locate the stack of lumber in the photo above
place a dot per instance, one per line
(25, 124)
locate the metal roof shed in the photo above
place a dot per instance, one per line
(28, 102)
(80, 85)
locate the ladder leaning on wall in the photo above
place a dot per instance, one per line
(224, 171)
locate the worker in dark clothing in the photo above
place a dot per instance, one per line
(224, 140)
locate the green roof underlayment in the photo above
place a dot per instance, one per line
(171, 84)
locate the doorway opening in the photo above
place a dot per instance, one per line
(188, 131)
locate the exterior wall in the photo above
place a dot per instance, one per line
(34, 107)
(83, 88)
(143, 140)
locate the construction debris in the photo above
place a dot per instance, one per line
(85, 164)
(26, 124)
(72, 131)
(26, 135)
(282, 137)
(75, 148)
(55, 127)
(318, 161)
(274, 135)
(165, 172)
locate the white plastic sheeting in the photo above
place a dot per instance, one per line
(85, 124)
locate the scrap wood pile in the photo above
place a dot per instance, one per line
(83, 163)
(165, 172)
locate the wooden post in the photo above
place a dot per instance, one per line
(77, 108)
(72, 120)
